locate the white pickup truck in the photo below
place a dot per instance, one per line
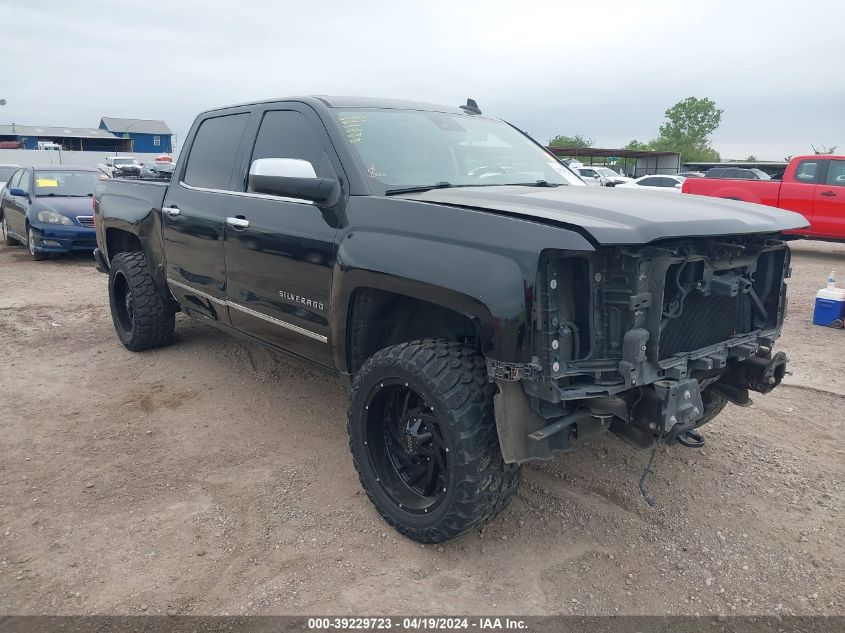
(117, 166)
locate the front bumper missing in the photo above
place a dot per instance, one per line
(664, 410)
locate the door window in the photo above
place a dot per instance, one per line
(807, 171)
(836, 173)
(213, 151)
(288, 134)
(15, 180)
(648, 182)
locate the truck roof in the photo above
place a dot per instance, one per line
(818, 156)
(354, 102)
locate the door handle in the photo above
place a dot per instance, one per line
(238, 222)
(827, 194)
(172, 210)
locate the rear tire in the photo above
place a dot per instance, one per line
(432, 400)
(8, 240)
(142, 317)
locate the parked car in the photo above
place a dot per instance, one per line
(656, 182)
(6, 172)
(601, 176)
(121, 166)
(49, 209)
(739, 173)
(691, 174)
(484, 318)
(813, 186)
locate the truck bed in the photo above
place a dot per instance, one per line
(759, 191)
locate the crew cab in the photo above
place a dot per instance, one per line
(813, 186)
(486, 307)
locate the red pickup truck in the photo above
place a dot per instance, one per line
(813, 186)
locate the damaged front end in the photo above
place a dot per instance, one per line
(645, 341)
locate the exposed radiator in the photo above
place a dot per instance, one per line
(704, 321)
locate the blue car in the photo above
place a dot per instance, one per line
(50, 209)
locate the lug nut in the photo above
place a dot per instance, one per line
(687, 395)
(555, 344)
(555, 366)
(553, 283)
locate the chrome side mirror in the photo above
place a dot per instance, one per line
(292, 178)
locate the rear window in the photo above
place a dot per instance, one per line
(213, 151)
(807, 171)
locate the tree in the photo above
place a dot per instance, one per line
(637, 146)
(571, 141)
(824, 150)
(751, 158)
(687, 129)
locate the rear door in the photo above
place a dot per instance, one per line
(195, 207)
(798, 193)
(829, 201)
(280, 251)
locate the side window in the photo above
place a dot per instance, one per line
(15, 180)
(288, 134)
(647, 182)
(587, 173)
(213, 151)
(836, 173)
(807, 171)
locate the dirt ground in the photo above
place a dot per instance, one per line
(214, 477)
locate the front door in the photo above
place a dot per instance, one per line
(194, 211)
(829, 202)
(280, 251)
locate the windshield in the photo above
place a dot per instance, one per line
(413, 148)
(123, 161)
(5, 174)
(65, 183)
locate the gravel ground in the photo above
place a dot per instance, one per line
(214, 477)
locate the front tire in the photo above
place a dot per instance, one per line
(713, 405)
(33, 251)
(142, 317)
(423, 440)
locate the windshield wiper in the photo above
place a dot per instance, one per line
(536, 183)
(419, 189)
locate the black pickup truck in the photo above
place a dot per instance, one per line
(485, 306)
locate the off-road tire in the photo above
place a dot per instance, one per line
(152, 318)
(453, 379)
(8, 240)
(713, 405)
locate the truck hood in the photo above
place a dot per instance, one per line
(620, 216)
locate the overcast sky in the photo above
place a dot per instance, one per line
(605, 69)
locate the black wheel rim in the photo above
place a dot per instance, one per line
(123, 303)
(405, 445)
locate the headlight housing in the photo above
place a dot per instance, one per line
(51, 217)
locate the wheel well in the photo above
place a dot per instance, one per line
(379, 319)
(120, 241)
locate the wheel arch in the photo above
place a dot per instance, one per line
(376, 310)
